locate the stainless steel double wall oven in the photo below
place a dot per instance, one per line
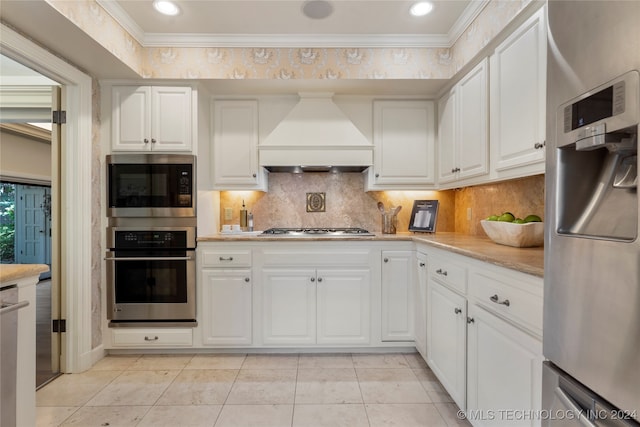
(151, 239)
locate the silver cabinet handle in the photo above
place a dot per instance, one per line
(441, 272)
(496, 299)
(319, 279)
(422, 264)
(313, 279)
(153, 140)
(470, 320)
(146, 141)
(155, 338)
(226, 259)
(255, 175)
(377, 175)
(386, 260)
(246, 279)
(539, 145)
(457, 310)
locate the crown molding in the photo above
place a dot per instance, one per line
(464, 21)
(118, 13)
(297, 40)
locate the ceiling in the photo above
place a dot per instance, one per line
(253, 23)
(267, 23)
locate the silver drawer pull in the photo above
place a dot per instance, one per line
(470, 320)
(494, 298)
(441, 271)
(422, 264)
(226, 259)
(246, 279)
(457, 310)
(155, 338)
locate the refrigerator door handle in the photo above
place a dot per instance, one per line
(573, 406)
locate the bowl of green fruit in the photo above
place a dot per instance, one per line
(507, 229)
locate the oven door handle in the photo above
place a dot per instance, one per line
(159, 258)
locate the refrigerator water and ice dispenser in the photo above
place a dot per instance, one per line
(598, 163)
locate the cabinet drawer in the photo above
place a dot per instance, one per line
(516, 299)
(227, 258)
(448, 273)
(141, 338)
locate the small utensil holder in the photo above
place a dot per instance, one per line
(389, 222)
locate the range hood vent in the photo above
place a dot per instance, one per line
(316, 136)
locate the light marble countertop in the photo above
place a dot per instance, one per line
(525, 260)
(13, 272)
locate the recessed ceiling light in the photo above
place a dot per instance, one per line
(421, 8)
(166, 7)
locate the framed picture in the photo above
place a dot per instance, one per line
(424, 216)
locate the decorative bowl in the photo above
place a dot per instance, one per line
(525, 235)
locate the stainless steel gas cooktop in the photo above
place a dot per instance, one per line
(329, 232)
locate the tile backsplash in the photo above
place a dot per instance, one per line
(348, 205)
(521, 197)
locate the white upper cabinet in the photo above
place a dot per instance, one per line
(235, 146)
(403, 138)
(518, 100)
(463, 116)
(152, 118)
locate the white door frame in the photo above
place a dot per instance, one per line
(75, 196)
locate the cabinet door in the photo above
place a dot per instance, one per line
(130, 120)
(171, 114)
(518, 97)
(289, 306)
(403, 137)
(421, 305)
(344, 304)
(447, 137)
(235, 145)
(398, 293)
(226, 306)
(446, 339)
(504, 369)
(473, 118)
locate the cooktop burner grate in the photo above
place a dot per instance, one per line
(350, 231)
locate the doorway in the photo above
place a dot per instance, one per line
(28, 143)
(74, 259)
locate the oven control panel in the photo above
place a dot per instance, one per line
(150, 239)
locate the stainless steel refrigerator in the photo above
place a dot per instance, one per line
(591, 334)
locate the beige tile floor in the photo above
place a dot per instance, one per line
(224, 390)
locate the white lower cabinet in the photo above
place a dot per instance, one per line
(398, 296)
(316, 306)
(288, 306)
(227, 314)
(504, 371)
(446, 339)
(484, 343)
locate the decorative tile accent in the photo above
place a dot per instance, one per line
(315, 202)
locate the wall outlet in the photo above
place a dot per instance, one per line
(468, 214)
(228, 214)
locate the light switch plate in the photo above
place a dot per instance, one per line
(228, 214)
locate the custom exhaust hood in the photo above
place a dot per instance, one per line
(315, 136)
